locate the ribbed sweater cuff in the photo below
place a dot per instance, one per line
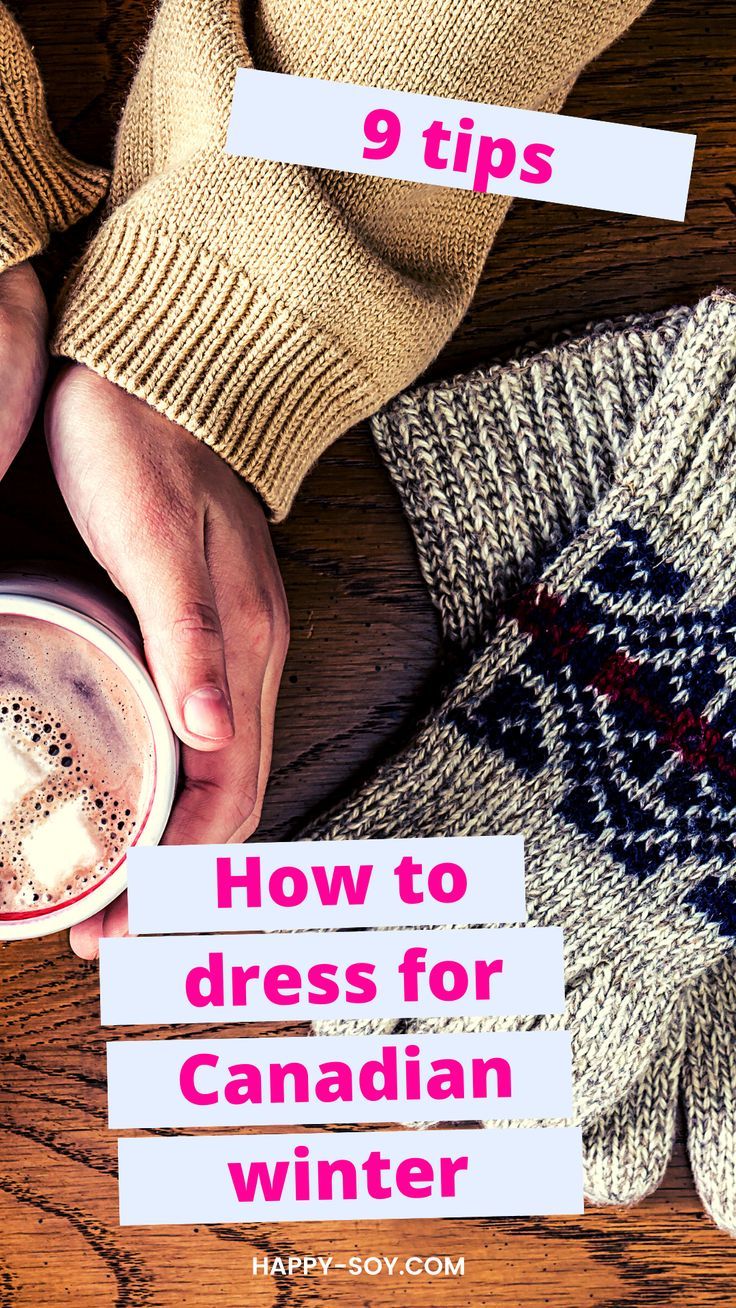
(217, 355)
(43, 188)
(498, 468)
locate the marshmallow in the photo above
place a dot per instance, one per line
(20, 773)
(60, 845)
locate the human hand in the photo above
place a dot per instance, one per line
(188, 544)
(23, 357)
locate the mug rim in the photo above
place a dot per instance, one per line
(165, 757)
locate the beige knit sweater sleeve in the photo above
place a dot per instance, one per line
(267, 307)
(43, 188)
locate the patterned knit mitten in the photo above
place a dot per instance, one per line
(628, 1149)
(596, 720)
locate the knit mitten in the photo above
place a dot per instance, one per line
(595, 720)
(627, 1150)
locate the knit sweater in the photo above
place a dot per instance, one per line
(42, 187)
(267, 307)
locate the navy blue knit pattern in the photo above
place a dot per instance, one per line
(634, 676)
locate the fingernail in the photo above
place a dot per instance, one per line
(207, 714)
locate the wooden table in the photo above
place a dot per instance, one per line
(364, 647)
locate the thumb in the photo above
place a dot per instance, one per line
(627, 1149)
(175, 604)
(709, 1091)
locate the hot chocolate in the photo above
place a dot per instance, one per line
(76, 765)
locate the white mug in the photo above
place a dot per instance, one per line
(83, 611)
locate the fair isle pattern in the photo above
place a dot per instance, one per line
(594, 483)
(497, 468)
(641, 712)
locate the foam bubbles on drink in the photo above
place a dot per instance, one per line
(76, 761)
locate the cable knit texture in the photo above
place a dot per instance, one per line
(598, 713)
(267, 307)
(43, 188)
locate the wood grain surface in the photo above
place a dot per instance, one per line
(364, 656)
